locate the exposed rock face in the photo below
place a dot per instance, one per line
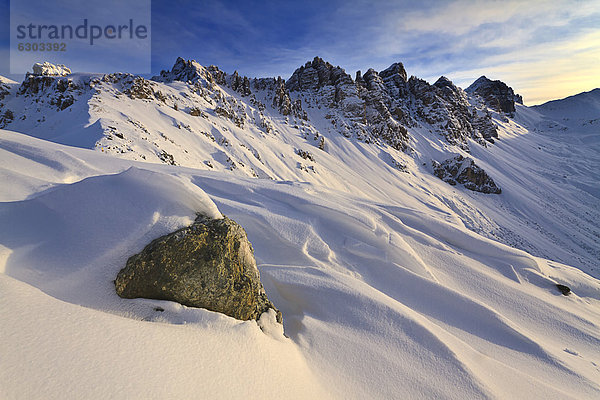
(188, 71)
(133, 86)
(183, 70)
(496, 94)
(315, 74)
(381, 106)
(51, 86)
(6, 118)
(283, 102)
(445, 107)
(209, 264)
(47, 69)
(463, 170)
(240, 84)
(4, 90)
(383, 114)
(395, 72)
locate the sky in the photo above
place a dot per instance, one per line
(543, 49)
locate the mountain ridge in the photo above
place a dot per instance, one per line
(336, 132)
(424, 261)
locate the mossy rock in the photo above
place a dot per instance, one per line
(209, 264)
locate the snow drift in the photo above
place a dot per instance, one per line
(380, 299)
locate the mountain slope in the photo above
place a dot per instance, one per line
(390, 279)
(379, 296)
(580, 112)
(374, 136)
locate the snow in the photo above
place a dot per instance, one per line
(579, 113)
(4, 79)
(549, 211)
(384, 290)
(392, 283)
(48, 69)
(58, 350)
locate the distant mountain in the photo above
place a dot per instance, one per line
(582, 109)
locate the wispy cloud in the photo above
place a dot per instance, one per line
(544, 49)
(533, 45)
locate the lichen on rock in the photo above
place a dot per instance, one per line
(209, 264)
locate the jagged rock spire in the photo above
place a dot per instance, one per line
(496, 94)
(316, 74)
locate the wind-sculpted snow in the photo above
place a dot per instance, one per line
(377, 131)
(393, 283)
(383, 296)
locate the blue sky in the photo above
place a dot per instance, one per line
(544, 49)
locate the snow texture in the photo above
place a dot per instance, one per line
(392, 283)
(48, 69)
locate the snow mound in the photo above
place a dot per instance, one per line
(94, 225)
(47, 69)
(61, 248)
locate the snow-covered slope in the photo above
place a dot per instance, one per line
(379, 298)
(374, 136)
(579, 113)
(4, 79)
(392, 282)
(579, 106)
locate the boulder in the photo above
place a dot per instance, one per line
(565, 290)
(209, 264)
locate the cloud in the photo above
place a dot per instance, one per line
(547, 49)
(545, 71)
(529, 44)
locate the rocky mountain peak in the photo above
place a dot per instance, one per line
(443, 82)
(449, 91)
(185, 71)
(316, 74)
(372, 80)
(496, 94)
(52, 84)
(394, 71)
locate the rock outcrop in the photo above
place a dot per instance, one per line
(316, 74)
(4, 90)
(51, 84)
(209, 264)
(382, 106)
(48, 69)
(190, 71)
(496, 94)
(565, 290)
(283, 102)
(184, 71)
(464, 170)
